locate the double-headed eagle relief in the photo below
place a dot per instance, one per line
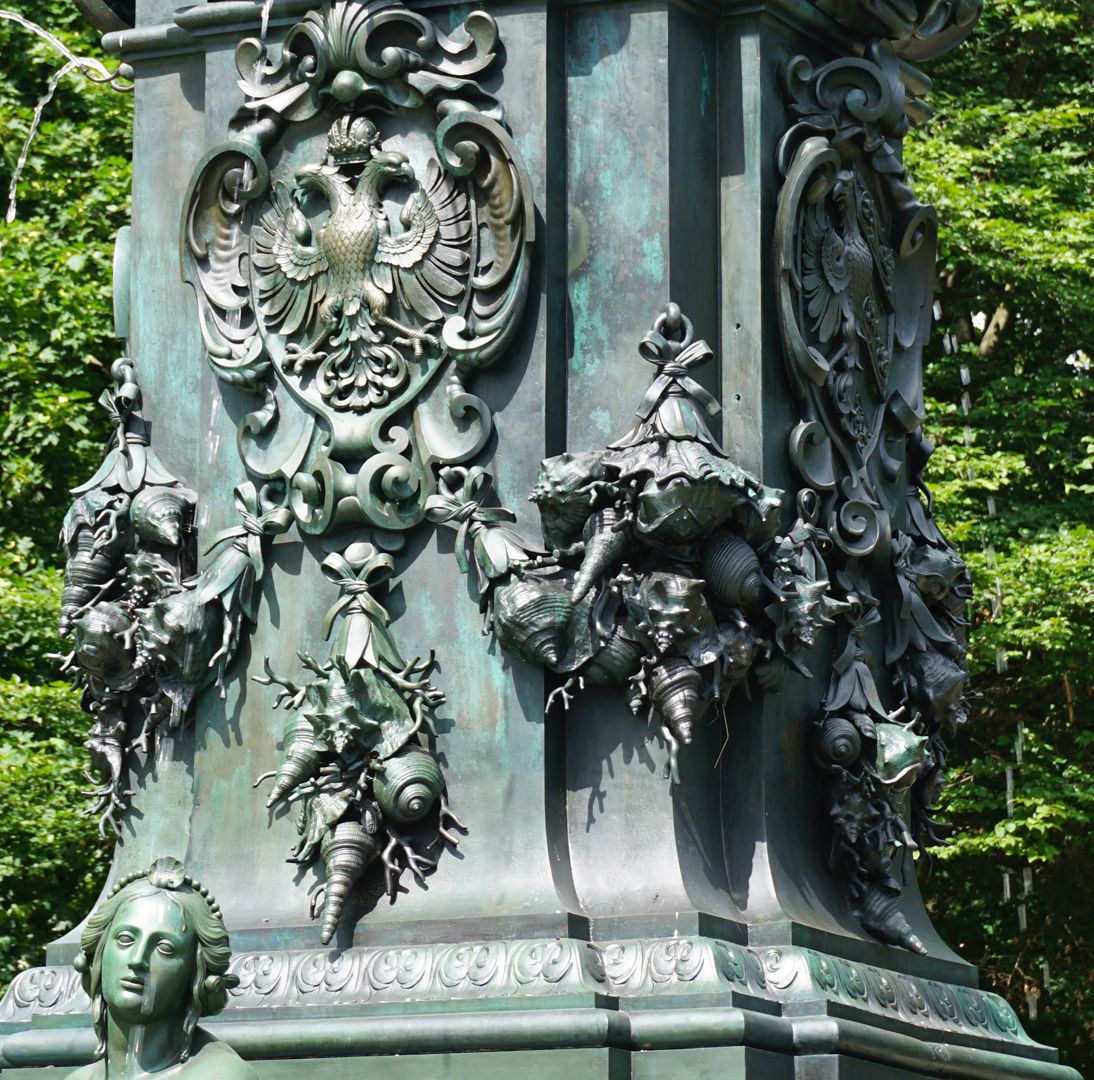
(358, 247)
(334, 283)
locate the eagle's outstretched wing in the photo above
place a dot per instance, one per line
(428, 264)
(825, 273)
(289, 264)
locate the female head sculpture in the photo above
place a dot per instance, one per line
(153, 960)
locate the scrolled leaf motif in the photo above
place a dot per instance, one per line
(477, 965)
(260, 973)
(549, 962)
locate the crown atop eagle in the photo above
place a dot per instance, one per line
(352, 140)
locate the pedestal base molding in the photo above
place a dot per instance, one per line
(547, 994)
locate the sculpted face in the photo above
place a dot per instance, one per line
(148, 961)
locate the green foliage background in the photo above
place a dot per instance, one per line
(1007, 163)
(55, 350)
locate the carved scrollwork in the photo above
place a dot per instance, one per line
(854, 257)
(358, 331)
(918, 31)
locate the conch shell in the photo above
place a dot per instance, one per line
(158, 513)
(881, 916)
(531, 618)
(347, 849)
(732, 571)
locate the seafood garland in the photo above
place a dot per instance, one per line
(148, 634)
(353, 756)
(884, 768)
(652, 571)
(855, 262)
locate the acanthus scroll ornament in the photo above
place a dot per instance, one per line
(353, 292)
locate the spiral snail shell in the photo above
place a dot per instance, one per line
(838, 742)
(615, 661)
(408, 785)
(605, 543)
(675, 690)
(346, 849)
(732, 571)
(299, 759)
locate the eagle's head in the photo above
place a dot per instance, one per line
(386, 168)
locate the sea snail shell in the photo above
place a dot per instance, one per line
(408, 785)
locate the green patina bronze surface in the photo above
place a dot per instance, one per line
(388, 269)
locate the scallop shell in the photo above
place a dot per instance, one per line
(676, 693)
(838, 742)
(347, 850)
(732, 571)
(881, 916)
(408, 785)
(605, 544)
(158, 513)
(531, 619)
(299, 759)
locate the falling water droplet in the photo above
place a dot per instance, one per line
(265, 25)
(1010, 791)
(1006, 885)
(1027, 880)
(1032, 998)
(1022, 923)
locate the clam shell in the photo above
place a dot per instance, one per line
(732, 571)
(531, 619)
(408, 784)
(347, 850)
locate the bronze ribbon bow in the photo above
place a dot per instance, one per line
(672, 367)
(465, 507)
(247, 538)
(356, 585)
